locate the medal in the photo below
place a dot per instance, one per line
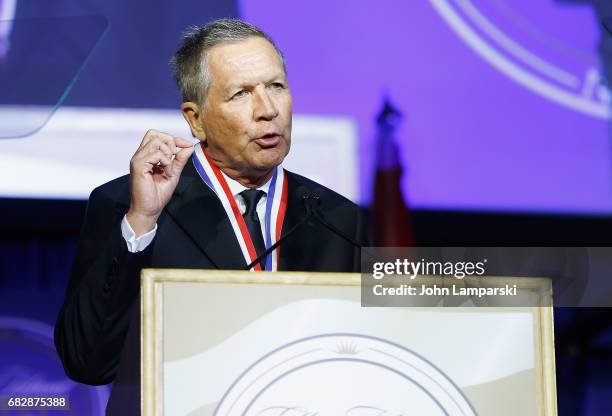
(276, 204)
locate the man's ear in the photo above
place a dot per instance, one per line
(193, 116)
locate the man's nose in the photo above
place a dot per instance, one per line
(264, 106)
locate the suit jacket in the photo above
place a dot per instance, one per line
(97, 334)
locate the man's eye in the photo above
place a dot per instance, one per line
(278, 85)
(239, 94)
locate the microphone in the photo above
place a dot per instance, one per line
(311, 202)
(318, 215)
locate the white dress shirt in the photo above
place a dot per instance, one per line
(136, 244)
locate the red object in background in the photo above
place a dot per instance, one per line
(390, 217)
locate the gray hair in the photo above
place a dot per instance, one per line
(189, 64)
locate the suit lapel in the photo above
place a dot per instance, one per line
(295, 209)
(195, 208)
(292, 250)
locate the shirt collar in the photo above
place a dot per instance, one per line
(236, 187)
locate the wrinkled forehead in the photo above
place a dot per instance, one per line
(250, 60)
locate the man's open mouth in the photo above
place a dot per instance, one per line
(269, 140)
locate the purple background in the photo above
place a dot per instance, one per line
(472, 138)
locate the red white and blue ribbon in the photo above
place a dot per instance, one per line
(276, 205)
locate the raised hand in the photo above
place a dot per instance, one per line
(155, 170)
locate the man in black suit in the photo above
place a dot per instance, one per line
(180, 209)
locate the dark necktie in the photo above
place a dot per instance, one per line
(251, 197)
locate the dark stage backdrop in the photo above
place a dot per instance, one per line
(37, 245)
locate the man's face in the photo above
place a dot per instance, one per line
(246, 119)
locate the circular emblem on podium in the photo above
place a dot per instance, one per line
(343, 374)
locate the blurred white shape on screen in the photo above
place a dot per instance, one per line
(81, 148)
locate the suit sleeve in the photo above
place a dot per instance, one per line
(104, 283)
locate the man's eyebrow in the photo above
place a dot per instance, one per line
(246, 84)
(279, 77)
(238, 85)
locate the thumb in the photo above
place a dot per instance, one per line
(180, 160)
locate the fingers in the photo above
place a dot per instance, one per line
(183, 155)
(157, 152)
(180, 159)
(158, 158)
(182, 142)
(155, 138)
(159, 146)
(155, 170)
(154, 135)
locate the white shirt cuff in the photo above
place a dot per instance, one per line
(136, 244)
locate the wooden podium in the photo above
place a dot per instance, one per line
(294, 344)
